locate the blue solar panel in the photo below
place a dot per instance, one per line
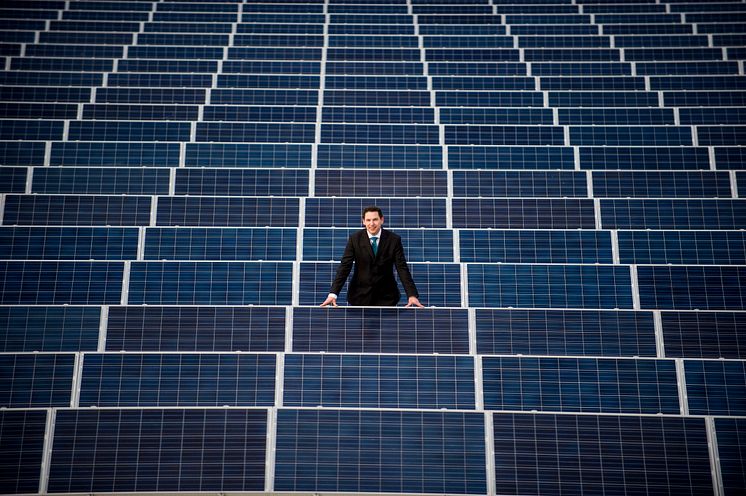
(549, 286)
(36, 380)
(39, 110)
(404, 212)
(228, 182)
(105, 181)
(13, 179)
(523, 213)
(158, 450)
(253, 329)
(149, 96)
(558, 454)
(622, 117)
(380, 156)
(43, 94)
(68, 243)
(603, 99)
(661, 184)
(380, 330)
(644, 158)
(42, 283)
(220, 244)
(140, 112)
(178, 379)
(730, 158)
(602, 385)
(259, 114)
(81, 210)
(394, 115)
(491, 246)
(716, 387)
(682, 247)
(384, 183)
(38, 328)
(128, 131)
(114, 154)
(227, 211)
(21, 153)
(210, 283)
(375, 134)
(565, 332)
(519, 184)
(30, 130)
(704, 334)
(673, 214)
(731, 441)
(379, 381)
(21, 450)
(247, 155)
(692, 287)
(496, 116)
(380, 451)
(510, 157)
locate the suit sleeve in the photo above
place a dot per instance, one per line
(344, 269)
(403, 270)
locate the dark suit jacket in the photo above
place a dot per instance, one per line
(373, 280)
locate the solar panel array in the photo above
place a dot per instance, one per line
(178, 180)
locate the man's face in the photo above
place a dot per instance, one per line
(372, 222)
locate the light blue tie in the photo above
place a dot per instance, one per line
(374, 240)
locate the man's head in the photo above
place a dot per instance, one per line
(372, 219)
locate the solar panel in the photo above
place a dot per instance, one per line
(623, 454)
(382, 381)
(21, 449)
(565, 332)
(499, 213)
(380, 451)
(730, 439)
(692, 287)
(177, 379)
(158, 450)
(36, 380)
(603, 385)
(682, 247)
(716, 387)
(49, 329)
(380, 330)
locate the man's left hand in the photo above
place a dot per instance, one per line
(413, 301)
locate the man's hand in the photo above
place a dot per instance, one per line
(413, 301)
(330, 300)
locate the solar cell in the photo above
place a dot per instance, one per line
(68, 243)
(680, 184)
(393, 183)
(273, 155)
(510, 157)
(113, 154)
(682, 247)
(227, 211)
(644, 158)
(486, 184)
(233, 182)
(721, 214)
(251, 132)
(502, 213)
(692, 287)
(104, 181)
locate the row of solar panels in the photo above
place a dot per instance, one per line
(508, 14)
(546, 384)
(233, 155)
(684, 116)
(191, 23)
(505, 69)
(667, 287)
(151, 80)
(321, 245)
(459, 213)
(344, 450)
(369, 41)
(351, 182)
(424, 134)
(601, 333)
(377, 54)
(378, 98)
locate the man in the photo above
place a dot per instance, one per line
(374, 252)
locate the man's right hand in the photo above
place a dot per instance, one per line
(330, 300)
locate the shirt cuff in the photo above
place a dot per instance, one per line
(331, 295)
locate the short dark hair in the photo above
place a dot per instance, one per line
(373, 208)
